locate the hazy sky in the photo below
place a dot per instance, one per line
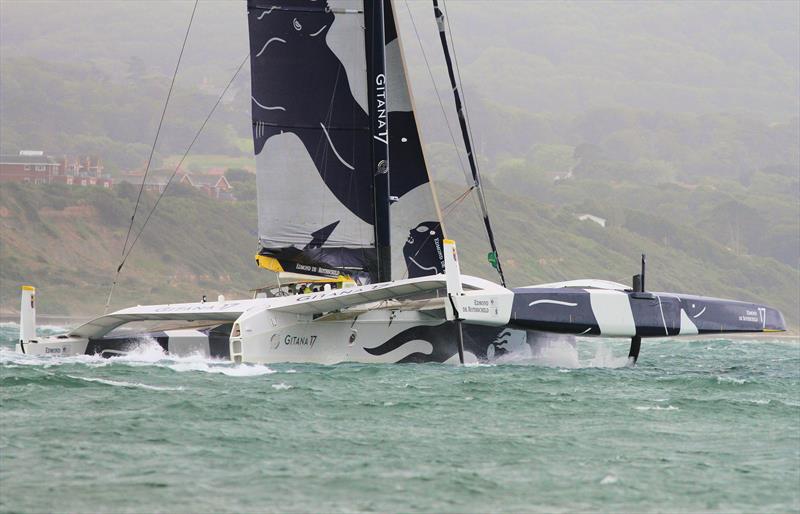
(544, 56)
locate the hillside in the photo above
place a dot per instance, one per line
(67, 242)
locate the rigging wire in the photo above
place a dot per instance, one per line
(479, 203)
(175, 171)
(158, 131)
(438, 96)
(463, 91)
(447, 210)
(494, 257)
(475, 202)
(458, 73)
(467, 177)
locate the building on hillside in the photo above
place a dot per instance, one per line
(34, 167)
(28, 166)
(155, 185)
(82, 171)
(591, 217)
(213, 186)
(90, 165)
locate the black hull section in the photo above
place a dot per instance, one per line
(213, 342)
(487, 344)
(626, 313)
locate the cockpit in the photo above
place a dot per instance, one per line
(290, 284)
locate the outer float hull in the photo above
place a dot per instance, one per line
(614, 313)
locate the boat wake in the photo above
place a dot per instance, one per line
(120, 383)
(146, 353)
(565, 354)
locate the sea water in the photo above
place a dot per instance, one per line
(698, 425)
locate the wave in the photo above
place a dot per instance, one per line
(9, 330)
(564, 354)
(655, 407)
(120, 383)
(731, 380)
(148, 353)
(9, 357)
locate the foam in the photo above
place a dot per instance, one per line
(120, 383)
(730, 380)
(563, 353)
(655, 407)
(10, 356)
(222, 368)
(150, 353)
(556, 353)
(146, 353)
(609, 479)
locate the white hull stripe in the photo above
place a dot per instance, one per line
(612, 309)
(554, 302)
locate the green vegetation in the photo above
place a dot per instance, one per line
(201, 162)
(243, 183)
(68, 242)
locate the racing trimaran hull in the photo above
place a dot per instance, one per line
(412, 320)
(345, 197)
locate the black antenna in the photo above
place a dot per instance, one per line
(638, 280)
(638, 293)
(644, 265)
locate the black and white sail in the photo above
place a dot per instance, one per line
(417, 231)
(314, 134)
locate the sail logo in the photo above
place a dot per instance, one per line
(380, 109)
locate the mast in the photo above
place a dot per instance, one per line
(379, 123)
(462, 121)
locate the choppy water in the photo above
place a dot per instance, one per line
(703, 425)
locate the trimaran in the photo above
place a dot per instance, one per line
(349, 224)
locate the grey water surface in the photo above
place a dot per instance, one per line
(699, 425)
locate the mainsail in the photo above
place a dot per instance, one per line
(315, 133)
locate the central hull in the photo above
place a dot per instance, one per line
(384, 337)
(409, 320)
(379, 336)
